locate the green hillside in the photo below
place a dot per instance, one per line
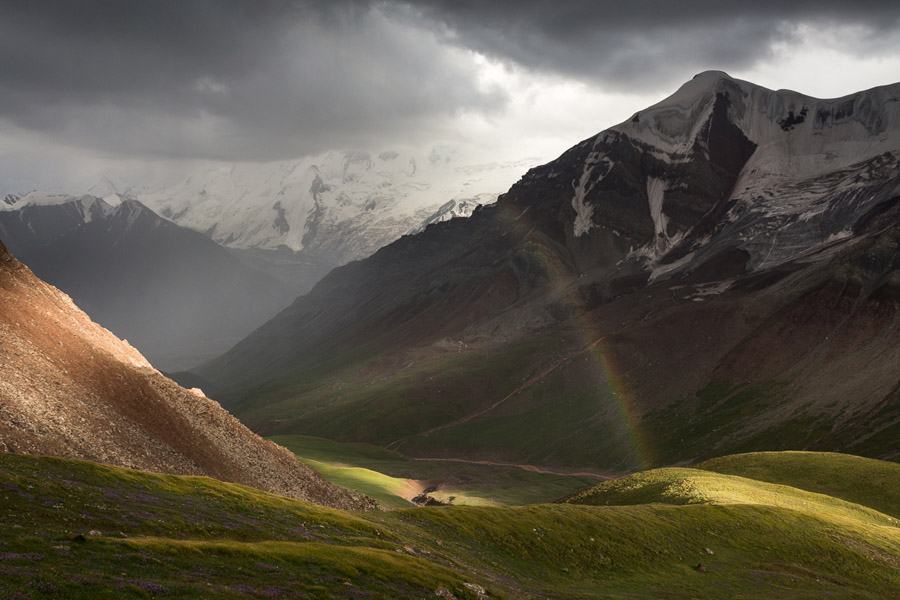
(75, 529)
(694, 486)
(873, 483)
(189, 537)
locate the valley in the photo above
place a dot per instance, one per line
(186, 271)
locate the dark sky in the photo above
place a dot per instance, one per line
(270, 79)
(637, 44)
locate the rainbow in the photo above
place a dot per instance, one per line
(614, 385)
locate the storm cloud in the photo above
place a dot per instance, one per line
(267, 79)
(200, 78)
(641, 45)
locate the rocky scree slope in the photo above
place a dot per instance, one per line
(717, 274)
(70, 388)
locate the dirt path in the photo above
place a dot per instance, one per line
(531, 468)
(411, 489)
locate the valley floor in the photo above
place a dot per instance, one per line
(395, 480)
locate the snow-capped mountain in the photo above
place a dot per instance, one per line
(795, 172)
(339, 205)
(456, 208)
(719, 273)
(38, 219)
(13, 202)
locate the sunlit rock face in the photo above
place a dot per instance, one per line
(70, 388)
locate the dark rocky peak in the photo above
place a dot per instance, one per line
(40, 219)
(132, 213)
(677, 176)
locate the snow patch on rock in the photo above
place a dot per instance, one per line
(656, 190)
(584, 212)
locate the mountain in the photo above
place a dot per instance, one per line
(304, 204)
(451, 210)
(70, 388)
(326, 210)
(173, 292)
(717, 274)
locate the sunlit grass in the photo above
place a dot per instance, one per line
(387, 491)
(696, 486)
(873, 483)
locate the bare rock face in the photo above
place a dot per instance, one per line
(70, 388)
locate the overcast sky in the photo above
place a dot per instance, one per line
(140, 85)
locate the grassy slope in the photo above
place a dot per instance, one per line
(873, 483)
(652, 551)
(341, 403)
(383, 474)
(386, 490)
(166, 536)
(189, 537)
(695, 486)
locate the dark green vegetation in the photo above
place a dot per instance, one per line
(389, 477)
(718, 412)
(75, 529)
(545, 400)
(391, 407)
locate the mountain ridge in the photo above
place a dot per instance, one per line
(618, 256)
